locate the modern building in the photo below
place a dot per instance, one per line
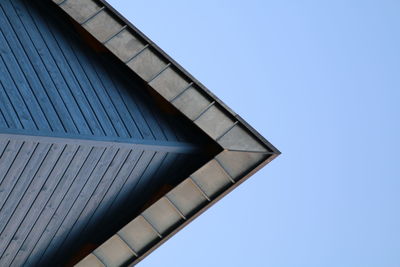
(107, 146)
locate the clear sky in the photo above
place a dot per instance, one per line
(321, 81)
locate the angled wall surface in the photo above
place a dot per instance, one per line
(107, 146)
(244, 152)
(84, 145)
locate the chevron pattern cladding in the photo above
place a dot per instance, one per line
(244, 150)
(66, 116)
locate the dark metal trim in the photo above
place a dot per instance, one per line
(187, 74)
(206, 207)
(269, 155)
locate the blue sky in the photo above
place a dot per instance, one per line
(321, 81)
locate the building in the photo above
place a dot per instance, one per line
(107, 146)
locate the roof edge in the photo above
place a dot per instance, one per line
(163, 74)
(174, 210)
(191, 77)
(245, 151)
(203, 209)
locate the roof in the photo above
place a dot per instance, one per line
(243, 150)
(82, 140)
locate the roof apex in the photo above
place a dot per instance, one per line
(245, 150)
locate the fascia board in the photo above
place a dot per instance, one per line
(245, 151)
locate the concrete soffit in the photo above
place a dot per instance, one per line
(245, 151)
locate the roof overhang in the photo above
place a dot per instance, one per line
(245, 151)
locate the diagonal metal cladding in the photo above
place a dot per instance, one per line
(244, 150)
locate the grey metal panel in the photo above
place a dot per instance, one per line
(147, 64)
(214, 122)
(138, 234)
(125, 45)
(102, 26)
(90, 261)
(191, 102)
(114, 252)
(159, 55)
(65, 96)
(202, 206)
(238, 163)
(185, 73)
(169, 83)
(150, 65)
(214, 118)
(162, 215)
(240, 139)
(80, 10)
(187, 197)
(211, 178)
